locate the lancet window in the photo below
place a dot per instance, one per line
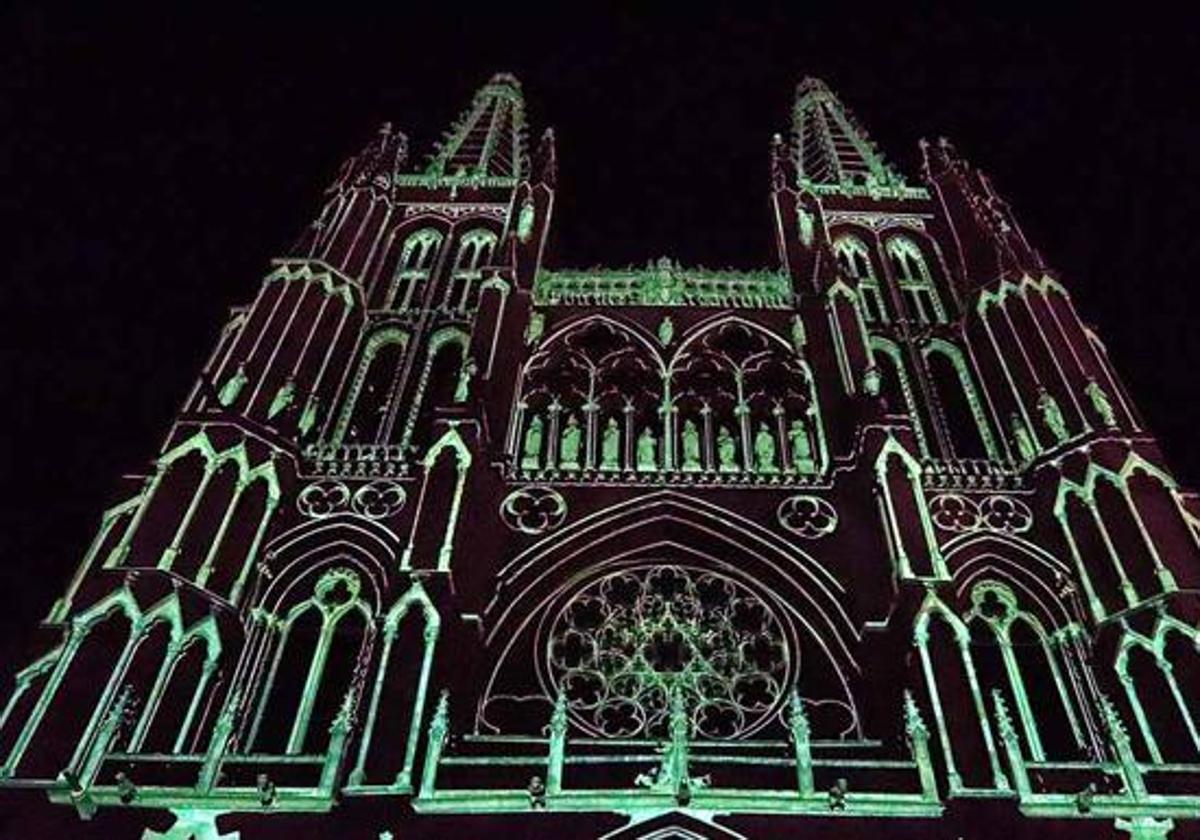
(1157, 675)
(961, 410)
(474, 251)
(365, 408)
(1014, 655)
(896, 386)
(312, 664)
(916, 284)
(417, 259)
(855, 261)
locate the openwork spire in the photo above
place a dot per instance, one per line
(833, 149)
(488, 139)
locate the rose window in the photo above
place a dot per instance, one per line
(626, 642)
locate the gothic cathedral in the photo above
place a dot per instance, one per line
(448, 540)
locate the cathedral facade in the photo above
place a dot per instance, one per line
(448, 540)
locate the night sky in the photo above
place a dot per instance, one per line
(153, 164)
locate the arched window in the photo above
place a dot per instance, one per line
(321, 640)
(916, 285)
(961, 411)
(474, 250)
(412, 271)
(1014, 655)
(855, 261)
(896, 387)
(588, 395)
(440, 383)
(365, 407)
(968, 748)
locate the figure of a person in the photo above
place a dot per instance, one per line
(610, 446)
(1101, 404)
(691, 447)
(465, 372)
(802, 457)
(1025, 448)
(764, 451)
(532, 459)
(1052, 416)
(647, 451)
(726, 451)
(568, 452)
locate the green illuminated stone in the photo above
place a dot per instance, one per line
(647, 451)
(764, 451)
(532, 459)
(568, 452)
(1052, 416)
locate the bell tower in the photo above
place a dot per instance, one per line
(450, 538)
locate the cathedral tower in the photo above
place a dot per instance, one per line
(448, 539)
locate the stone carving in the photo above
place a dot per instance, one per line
(808, 517)
(323, 498)
(533, 510)
(379, 499)
(961, 514)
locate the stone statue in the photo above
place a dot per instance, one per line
(666, 330)
(610, 447)
(568, 453)
(233, 386)
(872, 381)
(1025, 448)
(1101, 404)
(467, 370)
(647, 451)
(691, 447)
(802, 456)
(532, 459)
(283, 397)
(535, 327)
(525, 221)
(1052, 416)
(726, 451)
(798, 337)
(764, 451)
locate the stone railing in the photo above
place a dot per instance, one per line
(351, 460)
(969, 474)
(664, 284)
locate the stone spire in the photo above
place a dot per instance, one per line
(831, 146)
(488, 138)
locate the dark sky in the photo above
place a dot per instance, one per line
(153, 162)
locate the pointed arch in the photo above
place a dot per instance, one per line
(597, 377)
(322, 628)
(951, 680)
(383, 730)
(897, 386)
(969, 430)
(733, 375)
(854, 258)
(1165, 709)
(922, 302)
(902, 504)
(418, 256)
(445, 354)
(476, 248)
(668, 527)
(377, 371)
